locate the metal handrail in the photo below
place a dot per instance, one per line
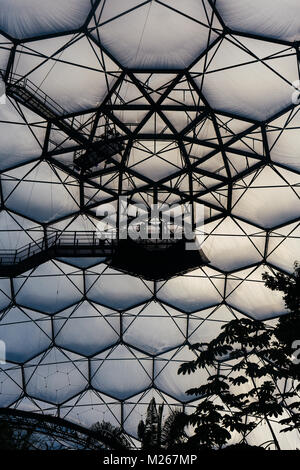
(50, 240)
(76, 239)
(25, 83)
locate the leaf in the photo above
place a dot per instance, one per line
(187, 368)
(238, 380)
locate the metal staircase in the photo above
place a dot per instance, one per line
(24, 91)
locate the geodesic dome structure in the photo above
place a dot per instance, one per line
(201, 96)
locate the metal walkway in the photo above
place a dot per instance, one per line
(24, 91)
(54, 245)
(151, 259)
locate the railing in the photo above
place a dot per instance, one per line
(105, 241)
(18, 83)
(150, 259)
(56, 239)
(102, 150)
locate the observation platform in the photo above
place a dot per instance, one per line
(150, 259)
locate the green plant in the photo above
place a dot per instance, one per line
(259, 356)
(112, 436)
(155, 432)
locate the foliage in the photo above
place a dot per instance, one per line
(250, 358)
(13, 439)
(25, 432)
(111, 436)
(155, 432)
(288, 325)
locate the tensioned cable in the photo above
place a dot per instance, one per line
(139, 44)
(52, 67)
